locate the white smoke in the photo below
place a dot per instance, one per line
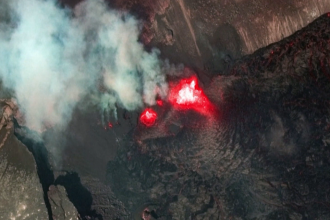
(52, 57)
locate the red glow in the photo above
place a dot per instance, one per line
(160, 102)
(188, 95)
(148, 117)
(110, 125)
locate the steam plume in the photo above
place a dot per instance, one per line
(52, 57)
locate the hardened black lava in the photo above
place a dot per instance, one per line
(266, 157)
(79, 196)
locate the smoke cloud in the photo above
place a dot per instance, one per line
(53, 57)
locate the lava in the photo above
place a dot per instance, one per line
(148, 117)
(188, 95)
(160, 102)
(184, 96)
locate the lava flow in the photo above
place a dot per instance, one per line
(188, 95)
(185, 95)
(148, 117)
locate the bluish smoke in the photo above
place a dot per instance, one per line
(53, 57)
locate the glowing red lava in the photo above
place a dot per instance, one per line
(148, 117)
(160, 102)
(185, 95)
(188, 95)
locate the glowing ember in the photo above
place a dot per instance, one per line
(160, 102)
(148, 117)
(188, 95)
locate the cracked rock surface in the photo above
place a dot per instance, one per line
(207, 34)
(62, 208)
(21, 194)
(266, 156)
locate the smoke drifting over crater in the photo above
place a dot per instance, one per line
(52, 57)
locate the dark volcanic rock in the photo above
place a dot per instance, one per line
(78, 195)
(21, 193)
(104, 201)
(265, 156)
(206, 35)
(62, 208)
